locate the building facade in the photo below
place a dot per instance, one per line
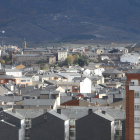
(133, 105)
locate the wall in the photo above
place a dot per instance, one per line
(132, 58)
(52, 60)
(8, 132)
(85, 86)
(93, 127)
(51, 129)
(130, 107)
(22, 130)
(62, 55)
(14, 74)
(10, 119)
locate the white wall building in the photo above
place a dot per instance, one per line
(130, 57)
(62, 55)
(104, 57)
(85, 84)
(13, 72)
(99, 71)
(87, 72)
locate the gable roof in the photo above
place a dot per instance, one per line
(61, 116)
(112, 71)
(79, 78)
(38, 102)
(106, 115)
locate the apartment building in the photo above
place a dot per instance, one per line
(32, 58)
(133, 105)
(62, 55)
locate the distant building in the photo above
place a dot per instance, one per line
(62, 55)
(32, 58)
(130, 57)
(113, 73)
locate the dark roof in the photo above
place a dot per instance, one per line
(79, 78)
(117, 114)
(25, 113)
(49, 92)
(134, 71)
(64, 99)
(10, 98)
(39, 102)
(112, 71)
(61, 116)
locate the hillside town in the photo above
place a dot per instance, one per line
(70, 93)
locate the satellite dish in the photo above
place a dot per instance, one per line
(3, 32)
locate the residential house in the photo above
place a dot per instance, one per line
(130, 57)
(85, 84)
(87, 124)
(15, 80)
(113, 73)
(51, 125)
(97, 79)
(39, 104)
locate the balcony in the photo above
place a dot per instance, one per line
(131, 83)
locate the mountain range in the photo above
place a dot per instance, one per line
(67, 20)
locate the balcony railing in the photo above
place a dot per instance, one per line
(131, 83)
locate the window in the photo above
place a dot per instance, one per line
(117, 132)
(137, 118)
(45, 116)
(137, 95)
(27, 134)
(137, 106)
(75, 88)
(72, 134)
(28, 80)
(23, 81)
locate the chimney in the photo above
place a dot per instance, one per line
(41, 87)
(89, 111)
(103, 112)
(59, 111)
(25, 86)
(20, 92)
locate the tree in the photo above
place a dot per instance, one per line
(70, 60)
(2, 62)
(95, 60)
(75, 57)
